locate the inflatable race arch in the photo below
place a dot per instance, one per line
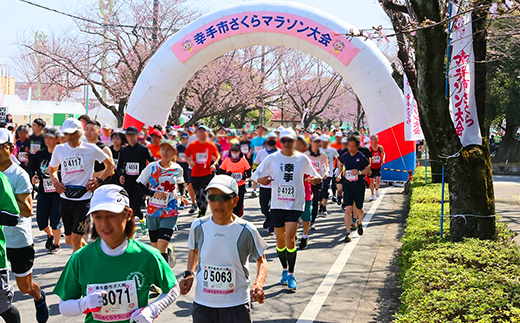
(288, 24)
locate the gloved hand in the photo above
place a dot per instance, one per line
(92, 302)
(143, 315)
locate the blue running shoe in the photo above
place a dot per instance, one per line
(291, 284)
(42, 310)
(285, 273)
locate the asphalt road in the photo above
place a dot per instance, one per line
(507, 201)
(337, 282)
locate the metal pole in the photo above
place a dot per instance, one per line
(88, 73)
(425, 163)
(442, 204)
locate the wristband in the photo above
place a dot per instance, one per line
(188, 273)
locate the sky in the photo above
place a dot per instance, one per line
(20, 20)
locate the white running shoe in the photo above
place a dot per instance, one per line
(172, 260)
(377, 193)
(371, 198)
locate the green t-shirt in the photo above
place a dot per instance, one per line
(126, 278)
(9, 205)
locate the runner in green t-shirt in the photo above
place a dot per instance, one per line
(9, 213)
(109, 279)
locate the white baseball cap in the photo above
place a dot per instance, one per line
(344, 140)
(5, 136)
(288, 133)
(71, 125)
(224, 183)
(315, 138)
(325, 138)
(107, 126)
(280, 128)
(339, 134)
(109, 197)
(271, 135)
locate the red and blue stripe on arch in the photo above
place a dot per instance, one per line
(400, 154)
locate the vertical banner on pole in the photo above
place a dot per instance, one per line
(412, 124)
(462, 80)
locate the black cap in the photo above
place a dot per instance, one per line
(51, 132)
(131, 130)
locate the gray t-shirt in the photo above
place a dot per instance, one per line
(21, 235)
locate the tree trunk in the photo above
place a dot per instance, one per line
(469, 175)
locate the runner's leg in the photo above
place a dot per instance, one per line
(12, 315)
(290, 242)
(316, 198)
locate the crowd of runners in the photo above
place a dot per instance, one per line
(99, 187)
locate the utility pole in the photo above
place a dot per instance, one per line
(155, 24)
(40, 40)
(106, 8)
(88, 74)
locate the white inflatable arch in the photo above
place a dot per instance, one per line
(289, 24)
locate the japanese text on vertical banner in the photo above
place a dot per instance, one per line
(462, 81)
(274, 22)
(412, 124)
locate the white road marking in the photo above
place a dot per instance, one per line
(318, 299)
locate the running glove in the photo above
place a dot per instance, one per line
(92, 302)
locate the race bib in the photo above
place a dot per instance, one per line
(201, 158)
(119, 303)
(376, 159)
(237, 177)
(158, 203)
(218, 280)
(257, 149)
(285, 193)
(350, 176)
(72, 165)
(182, 157)
(47, 186)
(23, 156)
(244, 149)
(34, 148)
(132, 169)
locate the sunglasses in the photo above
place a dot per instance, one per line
(220, 197)
(286, 140)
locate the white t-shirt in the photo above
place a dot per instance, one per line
(288, 191)
(319, 162)
(224, 250)
(260, 156)
(331, 155)
(21, 235)
(77, 164)
(191, 139)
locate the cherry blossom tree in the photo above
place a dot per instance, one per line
(114, 42)
(421, 30)
(313, 91)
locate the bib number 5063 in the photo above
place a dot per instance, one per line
(218, 276)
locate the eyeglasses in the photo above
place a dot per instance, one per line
(286, 140)
(220, 197)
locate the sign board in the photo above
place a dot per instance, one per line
(3, 114)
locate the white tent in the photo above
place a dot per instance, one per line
(103, 116)
(17, 108)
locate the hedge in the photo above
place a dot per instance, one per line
(469, 281)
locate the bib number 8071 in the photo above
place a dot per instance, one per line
(114, 297)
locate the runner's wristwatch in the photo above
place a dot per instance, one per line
(188, 273)
(100, 181)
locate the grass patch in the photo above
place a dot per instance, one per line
(469, 281)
